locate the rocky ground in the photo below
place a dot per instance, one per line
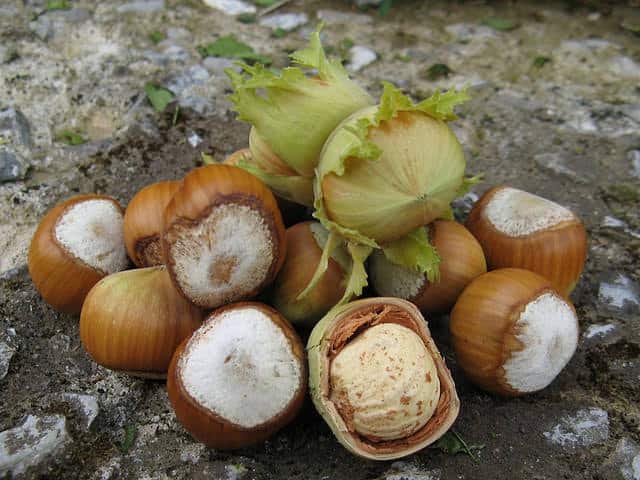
(555, 110)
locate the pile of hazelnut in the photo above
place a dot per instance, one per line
(205, 247)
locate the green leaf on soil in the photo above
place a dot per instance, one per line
(130, 433)
(500, 24)
(230, 47)
(438, 70)
(452, 443)
(540, 61)
(384, 7)
(246, 18)
(70, 138)
(158, 96)
(58, 5)
(157, 36)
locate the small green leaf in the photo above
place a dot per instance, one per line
(176, 112)
(500, 24)
(158, 96)
(384, 7)
(207, 159)
(631, 27)
(437, 70)
(157, 36)
(452, 443)
(58, 5)
(230, 47)
(279, 33)
(130, 433)
(246, 18)
(540, 61)
(264, 3)
(70, 138)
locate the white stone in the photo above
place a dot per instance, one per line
(403, 470)
(360, 56)
(231, 7)
(624, 462)
(6, 352)
(599, 330)
(85, 405)
(634, 158)
(284, 21)
(469, 31)
(585, 428)
(141, 6)
(554, 163)
(192, 453)
(612, 222)
(618, 292)
(226, 371)
(625, 67)
(31, 443)
(194, 139)
(335, 16)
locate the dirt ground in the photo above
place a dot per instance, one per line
(568, 130)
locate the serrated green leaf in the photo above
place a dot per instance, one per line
(70, 138)
(158, 96)
(230, 47)
(357, 278)
(414, 251)
(500, 24)
(452, 443)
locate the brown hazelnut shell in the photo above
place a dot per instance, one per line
(216, 432)
(62, 280)
(557, 253)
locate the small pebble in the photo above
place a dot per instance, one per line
(360, 57)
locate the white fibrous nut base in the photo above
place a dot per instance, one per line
(548, 330)
(391, 280)
(241, 367)
(517, 213)
(92, 232)
(386, 381)
(226, 256)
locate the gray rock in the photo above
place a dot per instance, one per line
(619, 292)
(586, 45)
(470, 31)
(625, 67)
(177, 33)
(42, 28)
(554, 163)
(409, 471)
(6, 353)
(6, 54)
(192, 453)
(193, 89)
(634, 158)
(217, 65)
(85, 406)
(335, 16)
(585, 428)
(463, 205)
(632, 111)
(15, 126)
(141, 6)
(624, 462)
(284, 21)
(12, 166)
(367, 3)
(73, 16)
(599, 330)
(175, 53)
(231, 7)
(194, 139)
(360, 56)
(31, 443)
